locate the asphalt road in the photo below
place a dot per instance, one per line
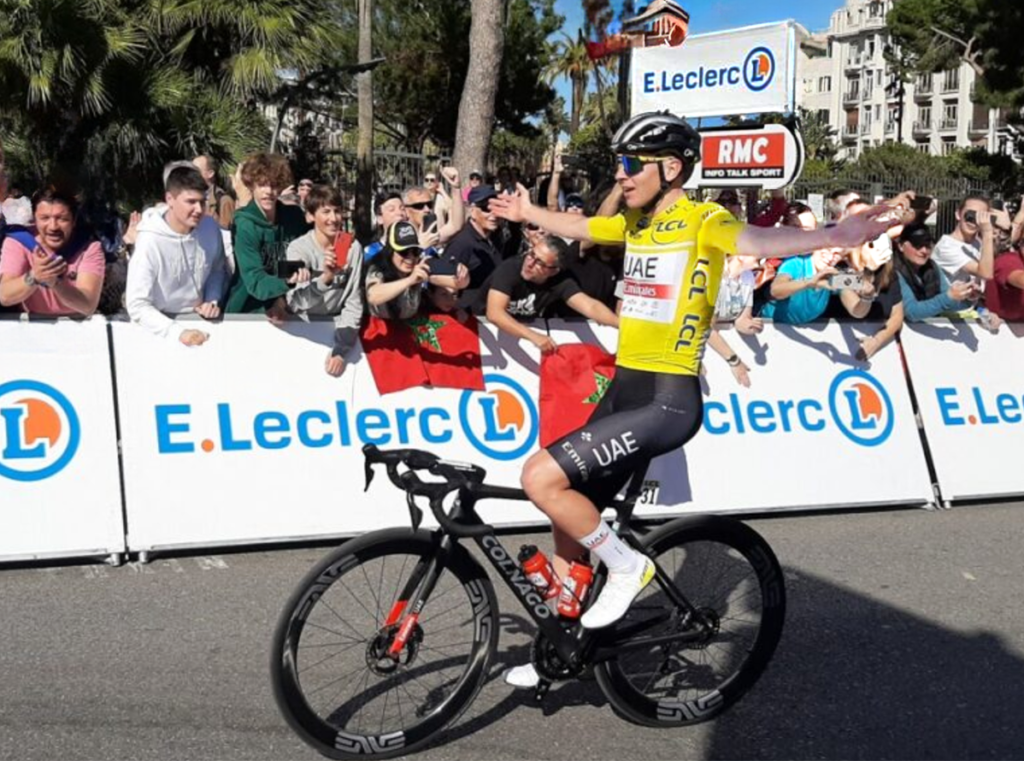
(904, 640)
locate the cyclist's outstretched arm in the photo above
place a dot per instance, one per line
(519, 208)
(791, 241)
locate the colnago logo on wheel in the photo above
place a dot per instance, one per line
(857, 405)
(39, 431)
(500, 422)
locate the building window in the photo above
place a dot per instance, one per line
(878, 77)
(948, 147)
(823, 115)
(875, 9)
(825, 84)
(878, 113)
(950, 114)
(924, 82)
(924, 116)
(951, 80)
(924, 147)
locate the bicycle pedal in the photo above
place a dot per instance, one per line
(541, 690)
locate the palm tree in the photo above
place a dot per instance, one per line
(569, 59)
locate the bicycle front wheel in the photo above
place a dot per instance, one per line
(336, 677)
(731, 577)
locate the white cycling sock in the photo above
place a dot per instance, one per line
(610, 550)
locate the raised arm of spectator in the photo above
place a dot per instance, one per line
(555, 184)
(519, 208)
(457, 214)
(1017, 228)
(721, 347)
(985, 267)
(783, 286)
(871, 345)
(592, 309)
(858, 304)
(497, 314)
(346, 324)
(855, 230)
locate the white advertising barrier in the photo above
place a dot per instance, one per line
(247, 438)
(768, 157)
(60, 492)
(816, 428)
(741, 71)
(970, 391)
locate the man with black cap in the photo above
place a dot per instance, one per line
(926, 290)
(475, 245)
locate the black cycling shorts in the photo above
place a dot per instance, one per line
(641, 416)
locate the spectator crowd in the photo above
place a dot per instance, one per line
(283, 249)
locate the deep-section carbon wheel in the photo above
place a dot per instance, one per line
(730, 575)
(339, 678)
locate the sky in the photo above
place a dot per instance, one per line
(716, 15)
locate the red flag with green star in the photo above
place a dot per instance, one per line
(573, 381)
(427, 350)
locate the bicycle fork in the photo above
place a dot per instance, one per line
(406, 617)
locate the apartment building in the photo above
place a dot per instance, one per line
(843, 73)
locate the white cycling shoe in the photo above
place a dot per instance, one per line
(617, 595)
(522, 677)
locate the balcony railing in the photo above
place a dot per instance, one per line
(922, 128)
(923, 91)
(851, 96)
(850, 132)
(854, 61)
(874, 21)
(948, 125)
(865, 128)
(890, 128)
(951, 85)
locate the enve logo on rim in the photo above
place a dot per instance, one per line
(39, 431)
(501, 422)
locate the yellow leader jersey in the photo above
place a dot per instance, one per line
(671, 276)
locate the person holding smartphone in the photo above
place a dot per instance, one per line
(52, 269)
(969, 251)
(395, 277)
(927, 292)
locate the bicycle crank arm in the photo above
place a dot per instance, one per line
(607, 652)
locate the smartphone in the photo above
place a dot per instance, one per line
(842, 281)
(429, 220)
(441, 266)
(921, 203)
(285, 268)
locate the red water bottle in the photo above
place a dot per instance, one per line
(539, 571)
(574, 589)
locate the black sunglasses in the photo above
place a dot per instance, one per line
(421, 206)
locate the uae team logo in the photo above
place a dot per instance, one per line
(39, 431)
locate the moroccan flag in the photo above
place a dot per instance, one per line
(427, 350)
(450, 350)
(572, 382)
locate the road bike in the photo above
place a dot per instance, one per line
(387, 640)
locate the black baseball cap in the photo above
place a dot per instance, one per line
(917, 235)
(479, 196)
(476, 173)
(574, 200)
(402, 237)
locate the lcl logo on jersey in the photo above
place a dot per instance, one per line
(759, 69)
(39, 431)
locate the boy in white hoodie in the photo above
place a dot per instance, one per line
(178, 266)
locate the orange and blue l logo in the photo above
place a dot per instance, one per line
(759, 69)
(861, 408)
(501, 422)
(39, 431)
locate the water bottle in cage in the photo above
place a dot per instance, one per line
(539, 571)
(574, 589)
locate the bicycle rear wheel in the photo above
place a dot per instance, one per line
(333, 677)
(730, 575)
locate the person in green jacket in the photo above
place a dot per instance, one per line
(263, 230)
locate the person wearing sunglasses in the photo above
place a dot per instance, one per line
(675, 253)
(530, 286)
(420, 206)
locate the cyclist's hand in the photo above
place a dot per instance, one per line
(515, 207)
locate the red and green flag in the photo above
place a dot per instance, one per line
(573, 380)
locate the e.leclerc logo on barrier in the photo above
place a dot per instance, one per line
(500, 422)
(756, 73)
(858, 406)
(39, 431)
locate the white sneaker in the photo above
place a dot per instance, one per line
(522, 677)
(617, 595)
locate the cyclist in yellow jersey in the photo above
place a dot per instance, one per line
(675, 253)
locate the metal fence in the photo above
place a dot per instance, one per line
(948, 191)
(393, 170)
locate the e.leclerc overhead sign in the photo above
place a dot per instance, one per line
(740, 71)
